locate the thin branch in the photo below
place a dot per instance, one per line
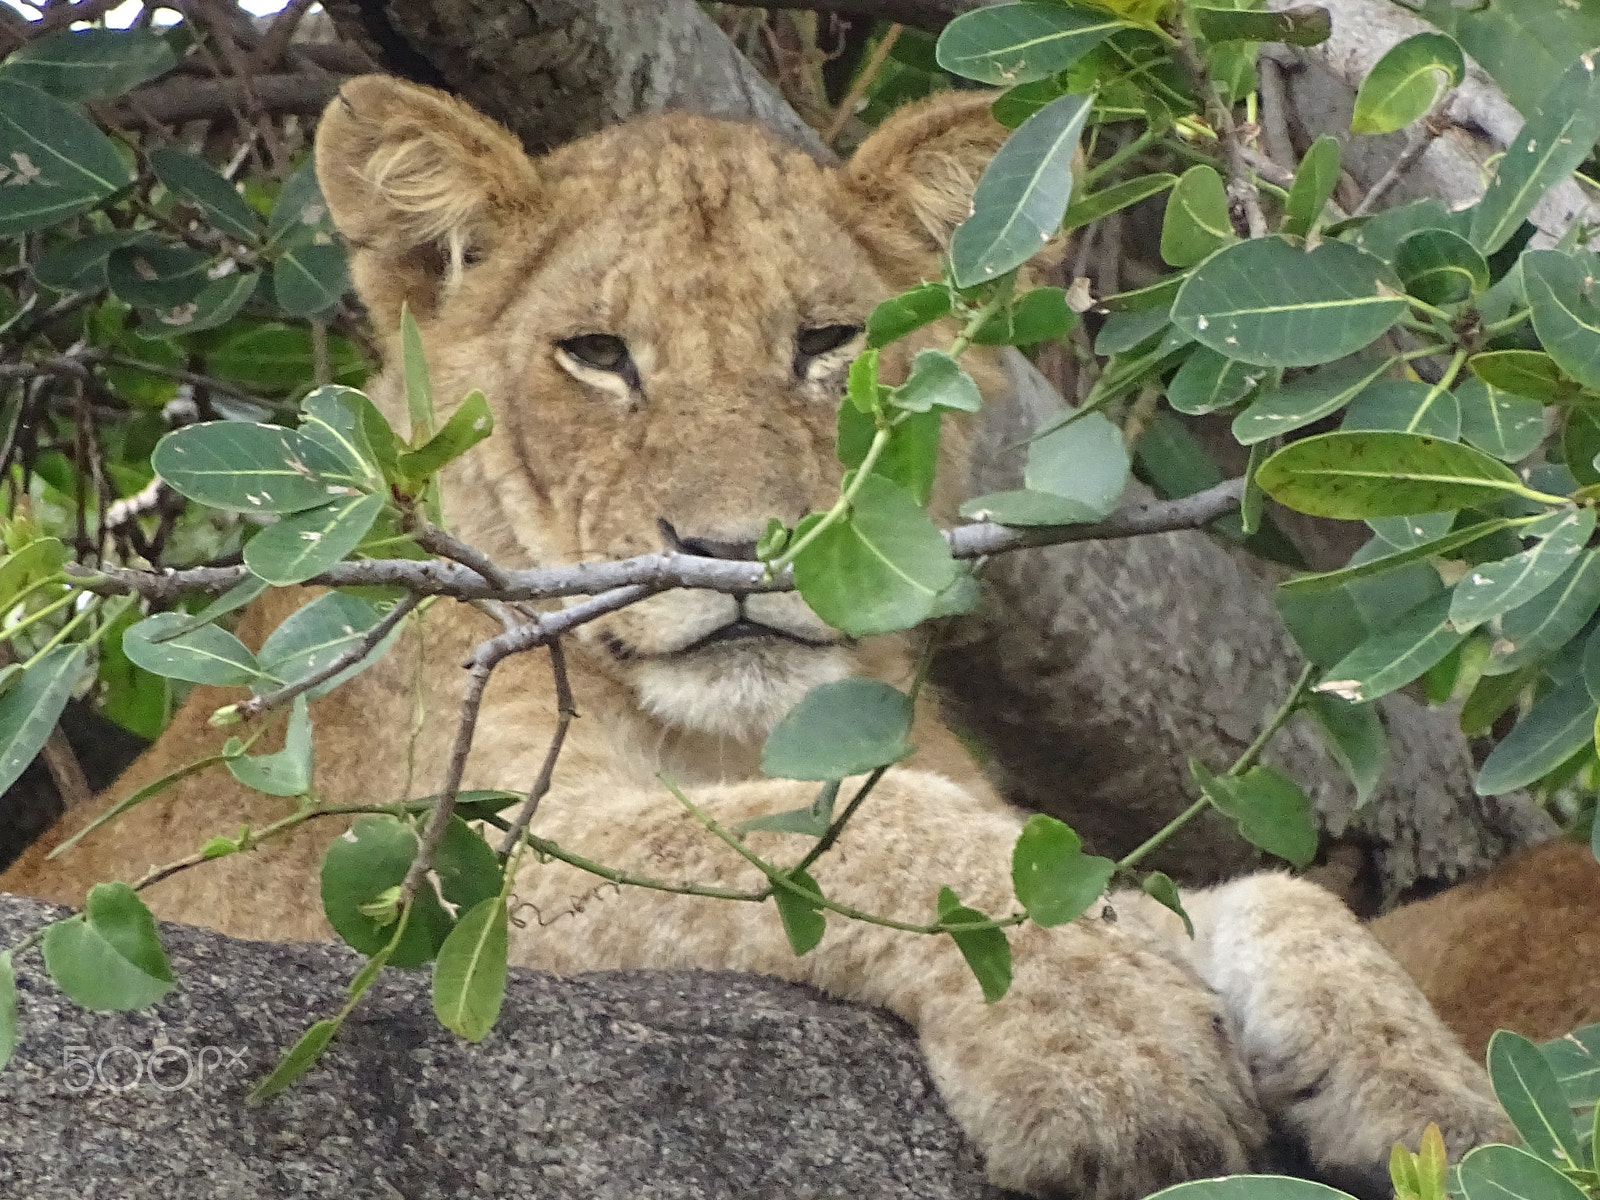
(1241, 181)
(178, 99)
(566, 710)
(1423, 134)
(931, 15)
(614, 585)
(257, 705)
(858, 89)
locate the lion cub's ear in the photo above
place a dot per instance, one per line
(419, 184)
(911, 182)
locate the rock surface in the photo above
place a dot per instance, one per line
(638, 1086)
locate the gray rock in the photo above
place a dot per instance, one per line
(644, 1086)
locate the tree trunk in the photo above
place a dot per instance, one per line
(1099, 669)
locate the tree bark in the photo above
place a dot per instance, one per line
(1100, 668)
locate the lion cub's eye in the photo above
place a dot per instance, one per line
(812, 342)
(601, 351)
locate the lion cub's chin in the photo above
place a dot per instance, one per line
(737, 690)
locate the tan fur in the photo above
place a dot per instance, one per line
(1125, 1056)
(1516, 949)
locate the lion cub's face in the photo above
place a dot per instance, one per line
(662, 316)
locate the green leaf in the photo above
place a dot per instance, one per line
(1303, 25)
(1558, 135)
(217, 303)
(275, 359)
(880, 569)
(1038, 315)
(54, 163)
(1208, 381)
(1025, 508)
(1440, 267)
(1507, 426)
(345, 423)
(300, 1059)
(1395, 656)
(1565, 316)
(468, 869)
(1309, 398)
(194, 179)
(80, 265)
(1023, 193)
(1313, 186)
(309, 278)
(912, 456)
(159, 276)
(1267, 302)
(305, 544)
(300, 214)
(987, 951)
(1052, 876)
(1509, 1173)
(29, 710)
(897, 316)
(1123, 331)
(1252, 1187)
(1416, 551)
(1542, 626)
(1088, 209)
(1530, 373)
(936, 381)
(1355, 736)
(1414, 529)
(235, 598)
(803, 921)
(362, 864)
(1353, 476)
(1580, 445)
(1558, 725)
(1405, 406)
(110, 959)
(862, 388)
(8, 1009)
(1008, 44)
(1159, 887)
(469, 978)
(1406, 81)
(419, 389)
(1015, 105)
(320, 632)
(1575, 1059)
(203, 655)
(468, 425)
(288, 771)
(1488, 590)
(1270, 810)
(1196, 221)
(812, 820)
(90, 64)
(1085, 462)
(245, 467)
(1527, 1089)
(839, 729)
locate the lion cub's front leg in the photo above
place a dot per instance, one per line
(1345, 1051)
(1105, 1073)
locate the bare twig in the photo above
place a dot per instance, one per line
(1422, 135)
(615, 584)
(76, 364)
(566, 710)
(257, 705)
(178, 99)
(1241, 181)
(279, 34)
(864, 77)
(932, 15)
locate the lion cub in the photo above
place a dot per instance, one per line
(662, 315)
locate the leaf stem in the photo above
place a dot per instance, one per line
(1243, 763)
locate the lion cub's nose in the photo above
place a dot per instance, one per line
(705, 547)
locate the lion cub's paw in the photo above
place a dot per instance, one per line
(1351, 1124)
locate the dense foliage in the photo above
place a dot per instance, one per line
(175, 327)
